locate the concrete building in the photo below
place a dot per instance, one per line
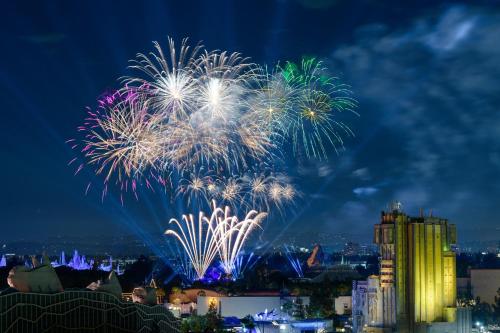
(343, 305)
(484, 283)
(271, 314)
(463, 287)
(370, 307)
(416, 290)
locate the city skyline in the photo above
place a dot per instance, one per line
(426, 140)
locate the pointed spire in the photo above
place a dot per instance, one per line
(3, 261)
(35, 262)
(113, 285)
(63, 259)
(46, 260)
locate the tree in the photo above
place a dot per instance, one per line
(496, 307)
(482, 312)
(248, 323)
(185, 326)
(209, 323)
(298, 310)
(287, 307)
(321, 300)
(176, 290)
(213, 320)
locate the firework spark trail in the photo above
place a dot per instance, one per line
(201, 244)
(222, 234)
(233, 236)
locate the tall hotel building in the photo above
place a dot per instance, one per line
(416, 288)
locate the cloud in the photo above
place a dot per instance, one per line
(319, 196)
(365, 191)
(319, 169)
(362, 174)
(324, 170)
(413, 198)
(453, 27)
(433, 91)
(352, 217)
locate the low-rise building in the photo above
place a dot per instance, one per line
(484, 284)
(343, 305)
(259, 307)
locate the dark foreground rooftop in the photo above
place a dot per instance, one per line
(81, 311)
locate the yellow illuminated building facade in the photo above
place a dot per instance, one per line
(417, 270)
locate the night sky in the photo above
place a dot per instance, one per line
(426, 75)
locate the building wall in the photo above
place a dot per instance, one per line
(343, 305)
(373, 306)
(484, 284)
(431, 272)
(462, 324)
(401, 268)
(359, 306)
(463, 287)
(450, 279)
(464, 320)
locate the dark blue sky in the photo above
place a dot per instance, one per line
(426, 74)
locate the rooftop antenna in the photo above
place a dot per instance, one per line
(397, 206)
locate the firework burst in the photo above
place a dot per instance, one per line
(231, 191)
(196, 185)
(272, 104)
(319, 97)
(201, 98)
(168, 81)
(121, 140)
(187, 108)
